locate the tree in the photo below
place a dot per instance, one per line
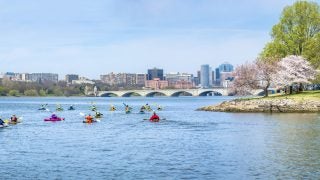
(297, 33)
(245, 79)
(42, 92)
(14, 93)
(267, 70)
(256, 75)
(31, 92)
(3, 91)
(295, 70)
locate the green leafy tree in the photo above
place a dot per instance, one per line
(31, 92)
(3, 91)
(297, 33)
(14, 93)
(42, 92)
(57, 92)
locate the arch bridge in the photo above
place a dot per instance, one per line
(167, 92)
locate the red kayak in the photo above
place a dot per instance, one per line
(154, 120)
(54, 119)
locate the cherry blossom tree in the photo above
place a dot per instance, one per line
(266, 73)
(245, 76)
(295, 70)
(257, 75)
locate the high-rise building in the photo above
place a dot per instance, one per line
(205, 76)
(223, 73)
(70, 77)
(199, 75)
(226, 67)
(155, 73)
(213, 77)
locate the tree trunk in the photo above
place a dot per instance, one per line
(266, 93)
(290, 90)
(300, 87)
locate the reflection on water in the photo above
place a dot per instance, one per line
(187, 145)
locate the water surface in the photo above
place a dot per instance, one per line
(187, 145)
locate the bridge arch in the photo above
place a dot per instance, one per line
(155, 93)
(130, 94)
(210, 93)
(180, 93)
(109, 94)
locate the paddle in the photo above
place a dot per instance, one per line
(159, 120)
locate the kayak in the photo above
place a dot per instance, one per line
(54, 119)
(14, 122)
(98, 116)
(142, 112)
(4, 125)
(154, 120)
(42, 109)
(94, 121)
(128, 112)
(59, 109)
(71, 109)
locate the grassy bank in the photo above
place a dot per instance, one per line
(305, 95)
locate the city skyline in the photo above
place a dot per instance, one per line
(93, 38)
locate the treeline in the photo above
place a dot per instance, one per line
(15, 88)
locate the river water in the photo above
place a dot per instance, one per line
(187, 145)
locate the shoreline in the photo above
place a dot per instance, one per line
(306, 102)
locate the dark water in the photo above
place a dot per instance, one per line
(188, 145)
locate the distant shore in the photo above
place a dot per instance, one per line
(305, 102)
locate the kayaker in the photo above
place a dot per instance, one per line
(59, 108)
(89, 119)
(147, 107)
(155, 117)
(113, 108)
(43, 107)
(98, 114)
(53, 116)
(142, 109)
(93, 108)
(128, 109)
(2, 123)
(71, 107)
(14, 119)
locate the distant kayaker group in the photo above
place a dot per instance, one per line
(88, 118)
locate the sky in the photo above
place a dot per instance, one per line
(94, 37)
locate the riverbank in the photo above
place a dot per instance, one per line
(305, 102)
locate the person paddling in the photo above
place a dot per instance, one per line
(71, 108)
(128, 109)
(89, 119)
(53, 116)
(14, 119)
(154, 117)
(142, 109)
(2, 123)
(98, 114)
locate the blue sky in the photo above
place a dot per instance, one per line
(93, 37)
